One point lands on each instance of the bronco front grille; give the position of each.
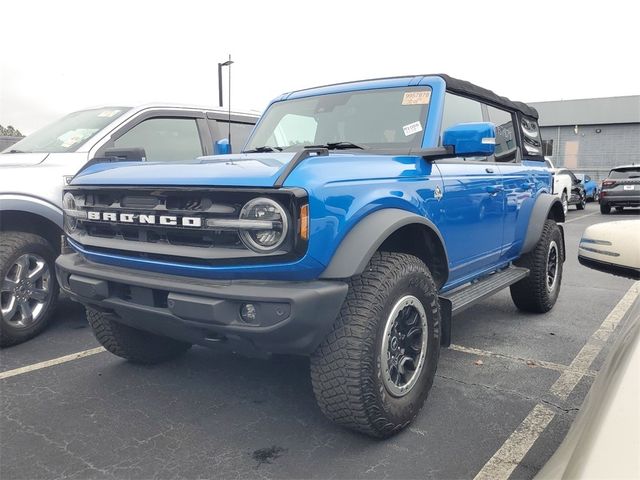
(134, 214)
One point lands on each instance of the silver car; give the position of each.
(34, 171)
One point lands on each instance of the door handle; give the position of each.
(494, 189)
(488, 170)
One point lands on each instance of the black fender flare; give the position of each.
(541, 211)
(359, 245)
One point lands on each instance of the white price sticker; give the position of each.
(412, 128)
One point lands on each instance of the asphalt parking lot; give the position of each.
(503, 399)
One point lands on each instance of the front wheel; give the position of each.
(596, 196)
(28, 286)
(135, 345)
(565, 202)
(374, 370)
(539, 291)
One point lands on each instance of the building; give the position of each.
(591, 135)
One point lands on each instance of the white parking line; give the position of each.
(580, 217)
(502, 464)
(533, 363)
(51, 363)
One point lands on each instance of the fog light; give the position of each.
(248, 312)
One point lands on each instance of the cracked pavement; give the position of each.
(210, 414)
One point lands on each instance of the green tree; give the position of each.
(10, 131)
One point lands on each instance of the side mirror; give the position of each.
(476, 139)
(132, 154)
(612, 248)
(222, 147)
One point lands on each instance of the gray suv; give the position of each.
(620, 189)
(34, 171)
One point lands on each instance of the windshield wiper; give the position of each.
(337, 146)
(263, 149)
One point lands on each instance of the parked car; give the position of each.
(34, 170)
(562, 184)
(336, 234)
(620, 189)
(590, 186)
(604, 439)
(577, 195)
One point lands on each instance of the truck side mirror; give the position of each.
(222, 147)
(133, 154)
(474, 139)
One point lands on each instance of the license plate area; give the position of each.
(628, 187)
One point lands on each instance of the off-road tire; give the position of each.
(12, 246)
(582, 203)
(346, 369)
(531, 294)
(605, 209)
(135, 345)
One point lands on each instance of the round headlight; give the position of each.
(264, 240)
(69, 204)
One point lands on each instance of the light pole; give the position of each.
(220, 65)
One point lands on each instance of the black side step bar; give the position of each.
(461, 298)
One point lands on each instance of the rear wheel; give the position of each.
(135, 345)
(374, 370)
(28, 286)
(605, 209)
(539, 291)
(596, 196)
(582, 203)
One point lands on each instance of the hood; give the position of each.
(21, 159)
(250, 169)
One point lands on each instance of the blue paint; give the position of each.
(482, 215)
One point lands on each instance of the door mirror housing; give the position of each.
(133, 154)
(222, 147)
(475, 139)
(612, 248)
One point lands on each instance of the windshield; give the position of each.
(387, 118)
(68, 133)
(625, 173)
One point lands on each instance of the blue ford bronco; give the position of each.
(359, 219)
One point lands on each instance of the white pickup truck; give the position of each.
(34, 171)
(562, 184)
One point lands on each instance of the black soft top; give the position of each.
(468, 89)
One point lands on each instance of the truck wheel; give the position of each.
(605, 209)
(596, 196)
(374, 370)
(539, 291)
(565, 202)
(582, 203)
(135, 345)
(28, 288)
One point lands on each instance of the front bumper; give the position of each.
(290, 317)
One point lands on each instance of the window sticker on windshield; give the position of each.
(108, 113)
(416, 98)
(412, 128)
(75, 136)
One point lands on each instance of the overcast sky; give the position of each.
(60, 56)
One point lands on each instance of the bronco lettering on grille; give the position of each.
(145, 219)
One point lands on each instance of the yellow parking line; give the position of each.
(50, 363)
